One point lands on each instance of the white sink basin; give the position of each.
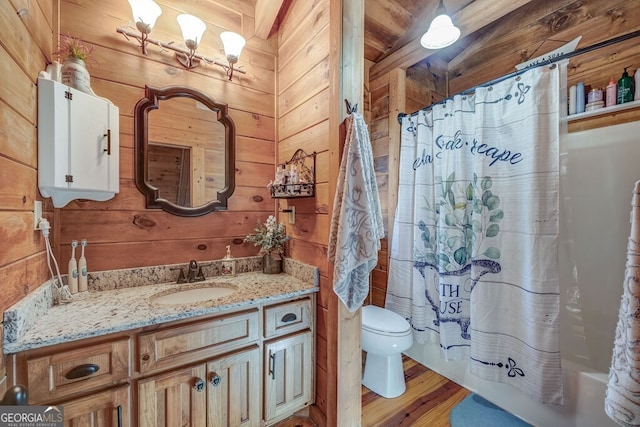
(194, 295)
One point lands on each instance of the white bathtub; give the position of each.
(599, 169)
(584, 392)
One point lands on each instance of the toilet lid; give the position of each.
(378, 319)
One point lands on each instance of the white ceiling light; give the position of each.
(442, 32)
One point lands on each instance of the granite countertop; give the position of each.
(101, 312)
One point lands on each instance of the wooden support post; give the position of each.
(397, 104)
(346, 65)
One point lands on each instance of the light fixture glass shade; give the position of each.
(441, 33)
(192, 29)
(232, 44)
(145, 13)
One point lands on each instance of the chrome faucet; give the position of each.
(194, 273)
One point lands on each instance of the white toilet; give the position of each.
(385, 335)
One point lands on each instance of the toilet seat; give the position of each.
(384, 322)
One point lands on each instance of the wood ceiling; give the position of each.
(393, 28)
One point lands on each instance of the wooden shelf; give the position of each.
(607, 116)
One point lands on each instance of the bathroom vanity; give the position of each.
(244, 359)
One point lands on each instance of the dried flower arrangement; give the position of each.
(74, 47)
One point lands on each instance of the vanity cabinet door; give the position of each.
(109, 408)
(288, 375)
(233, 389)
(176, 398)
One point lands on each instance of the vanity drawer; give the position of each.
(177, 345)
(76, 370)
(288, 317)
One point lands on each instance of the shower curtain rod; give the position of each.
(577, 52)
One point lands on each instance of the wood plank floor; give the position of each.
(427, 402)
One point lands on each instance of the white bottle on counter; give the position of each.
(82, 269)
(636, 77)
(72, 271)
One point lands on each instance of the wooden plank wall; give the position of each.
(25, 44)
(303, 94)
(516, 37)
(522, 34)
(423, 85)
(121, 233)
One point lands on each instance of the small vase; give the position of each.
(271, 264)
(74, 74)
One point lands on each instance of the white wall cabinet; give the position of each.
(78, 147)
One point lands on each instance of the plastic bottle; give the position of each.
(636, 77)
(580, 98)
(72, 272)
(572, 100)
(625, 88)
(612, 93)
(82, 269)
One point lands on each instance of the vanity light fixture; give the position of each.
(442, 32)
(145, 14)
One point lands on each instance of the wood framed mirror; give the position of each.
(184, 151)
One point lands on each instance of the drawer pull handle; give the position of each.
(216, 380)
(289, 317)
(145, 357)
(198, 385)
(272, 365)
(119, 409)
(81, 371)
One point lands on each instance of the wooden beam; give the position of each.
(397, 104)
(266, 14)
(477, 15)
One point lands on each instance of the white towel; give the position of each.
(356, 226)
(622, 400)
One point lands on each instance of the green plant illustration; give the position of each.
(470, 214)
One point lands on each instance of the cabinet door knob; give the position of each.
(216, 380)
(198, 385)
(81, 371)
(289, 317)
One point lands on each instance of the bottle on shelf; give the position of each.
(625, 88)
(572, 99)
(636, 78)
(580, 97)
(612, 93)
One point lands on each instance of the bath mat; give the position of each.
(474, 411)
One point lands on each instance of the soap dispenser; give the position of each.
(72, 271)
(625, 88)
(228, 264)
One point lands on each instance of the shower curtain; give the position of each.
(474, 249)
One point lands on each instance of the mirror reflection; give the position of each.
(184, 149)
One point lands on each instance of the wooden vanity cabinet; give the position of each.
(288, 359)
(245, 368)
(105, 408)
(223, 390)
(90, 379)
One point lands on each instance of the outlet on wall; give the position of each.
(292, 214)
(37, 214)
